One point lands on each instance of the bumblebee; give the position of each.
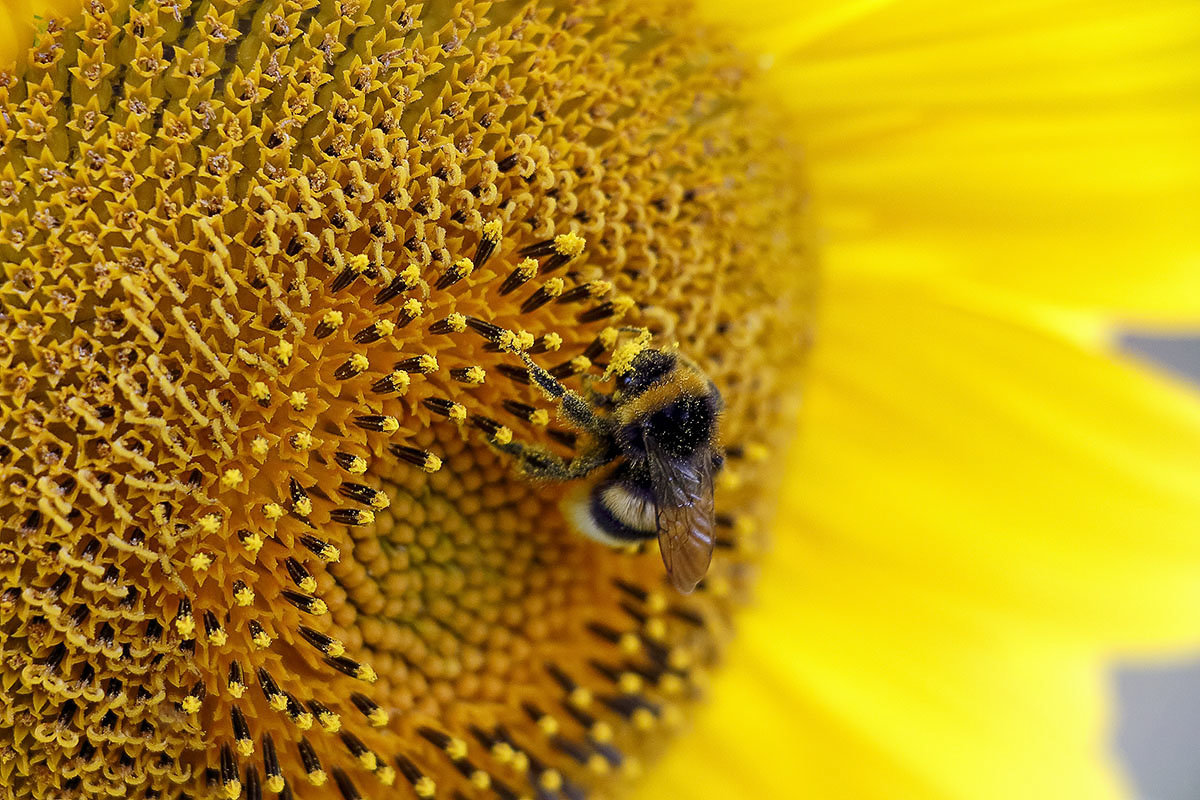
(650, 458)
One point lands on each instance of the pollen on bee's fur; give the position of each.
(272, 271)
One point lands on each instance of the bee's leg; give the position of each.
(540, 463)
(575, 407)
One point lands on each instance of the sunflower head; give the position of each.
(269, 269)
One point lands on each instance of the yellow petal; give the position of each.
(1024, 474)
(1032, 148)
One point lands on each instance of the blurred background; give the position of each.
(1158, 708)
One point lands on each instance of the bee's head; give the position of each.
(648, 368)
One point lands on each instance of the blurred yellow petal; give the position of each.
(21, 20)
(1046, 149)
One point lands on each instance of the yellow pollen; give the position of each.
(643, 720)
(412, 308)
(378, 717)
(503, 435)
(244, 596)
(424, 787)
(236, 690)
(598, 764)
(298, 400)
(598, 289)
(333, 318)
(274, 783)
(602, 732)
(432, 463)
(541, 418)
(210, 523)
(369, 760)
(491, 230)
(253, 542)
(481, 779)
(302, 441)
(550, 780)
(552, 341)
(218, 638)
(554, 287)
(400, 381)
(317, 777)
(385, 327)
(245, 747)
(358, 465)
(580, 697)
(330, 721)
(232, 478)
(303, 506)
(260, 447)
(185, 625)
(260, 391)
(671, 684)
(569, 244)
(502, 752)
(190, 704)
(679, 658)
(359, 362)
(623, 305)
(201, 561)
(318, 607)
(475, 375)
(273, 511)
(427, 363)
(386, 775)
(456, 749)
(262, 639)
(283, 353)
(232, 790)
(525, 340)
(410, 275)
(548, 724)
(358, 264)
(330, 554)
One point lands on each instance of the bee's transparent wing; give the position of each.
(683, 500)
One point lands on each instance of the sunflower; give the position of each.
(327, 575)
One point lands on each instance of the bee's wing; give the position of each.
(683, 509)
